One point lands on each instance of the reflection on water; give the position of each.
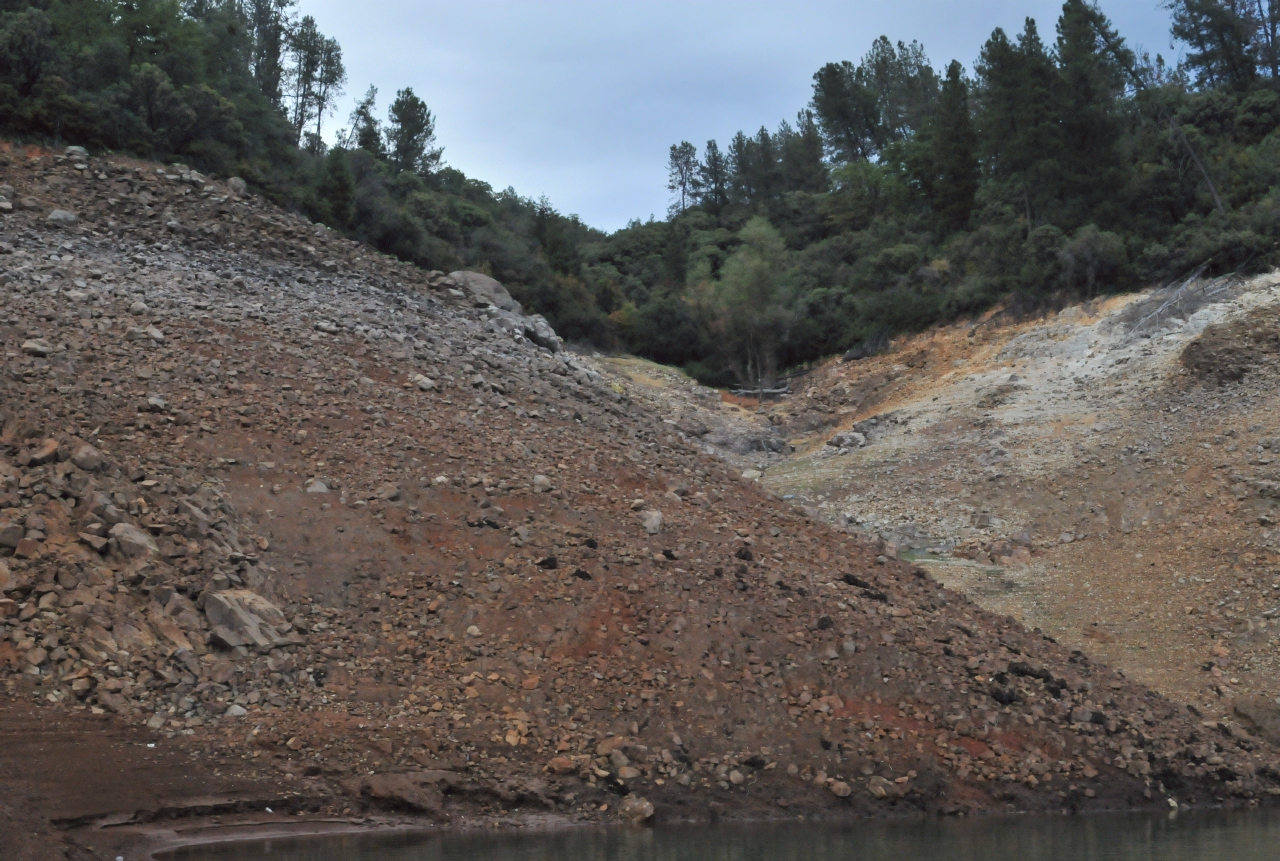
(1197, 837)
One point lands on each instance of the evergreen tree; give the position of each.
(801, 151)
(1091, 61)
(365, 131)
(954, 153)
(411, 131)
(270, 21)
(682, 176)
(848, 112)
(1018, 128)
(1220, 34)
(713, 178)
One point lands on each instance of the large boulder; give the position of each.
(534, 328)
(484, 290)
(243, 618)
(418, 791)
(1261, 715)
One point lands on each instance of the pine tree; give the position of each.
(713, 179)
(682, 176)
(1220, 34)
(270, 21)
(1091, 60)
(954, 153)
(1018, 131)
(847, 111)
(411, 131)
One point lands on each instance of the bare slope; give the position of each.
(1105, 475)
(340, 536)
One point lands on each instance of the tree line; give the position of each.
(1061, 167)
(1053, 168)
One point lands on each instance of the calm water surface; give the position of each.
(1198, 837)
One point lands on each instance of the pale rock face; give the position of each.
(485, 290)
(133, 541)
(240, 617)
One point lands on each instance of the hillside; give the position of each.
(1105, 475)
(288, 524)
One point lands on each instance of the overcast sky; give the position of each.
(580, 101)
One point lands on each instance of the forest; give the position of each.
(1053, 168)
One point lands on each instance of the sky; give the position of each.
(581, 101)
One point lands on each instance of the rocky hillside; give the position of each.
(357, 542)
(1106, 474)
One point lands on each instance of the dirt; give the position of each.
(1101, 479)
(344, 541)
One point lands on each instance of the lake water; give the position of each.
(1186, 837)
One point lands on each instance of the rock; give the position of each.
(652, 521)
(96, 542)
(62, 218)
(36, 657)
(30, 203)
(38, 347)
(402, 791)
(133, 542)
(7, 582)
(246, 616)
(840, 789)
(76, 152)
(881, 788)
(87, 458)
(138, 307)
(28, 548)
(635, 808)
(11, 533)
(1260, 715)
(423, 382)
(561, 765)
(317, 485)
(542, 484)
(235, 710)
(848, 439)
(752, 475)
(484, 290)
(237, 186)
(46, 452)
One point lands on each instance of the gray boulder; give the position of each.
(243, 618)
(484, 290)
(133, 542)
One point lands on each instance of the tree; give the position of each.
(26, 48)
(886, 98)
(800, 151)
(954, 153)
(366, 130)
(753, 318)
(306, 54)
(1220, 35)
(1092, 63)
(847, 111)
(270, 21)
(905, 86)
(410, 134)
(1018, 125)
(330, 81)
(713, 178)
(682, 176)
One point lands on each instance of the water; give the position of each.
(1196, 837)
